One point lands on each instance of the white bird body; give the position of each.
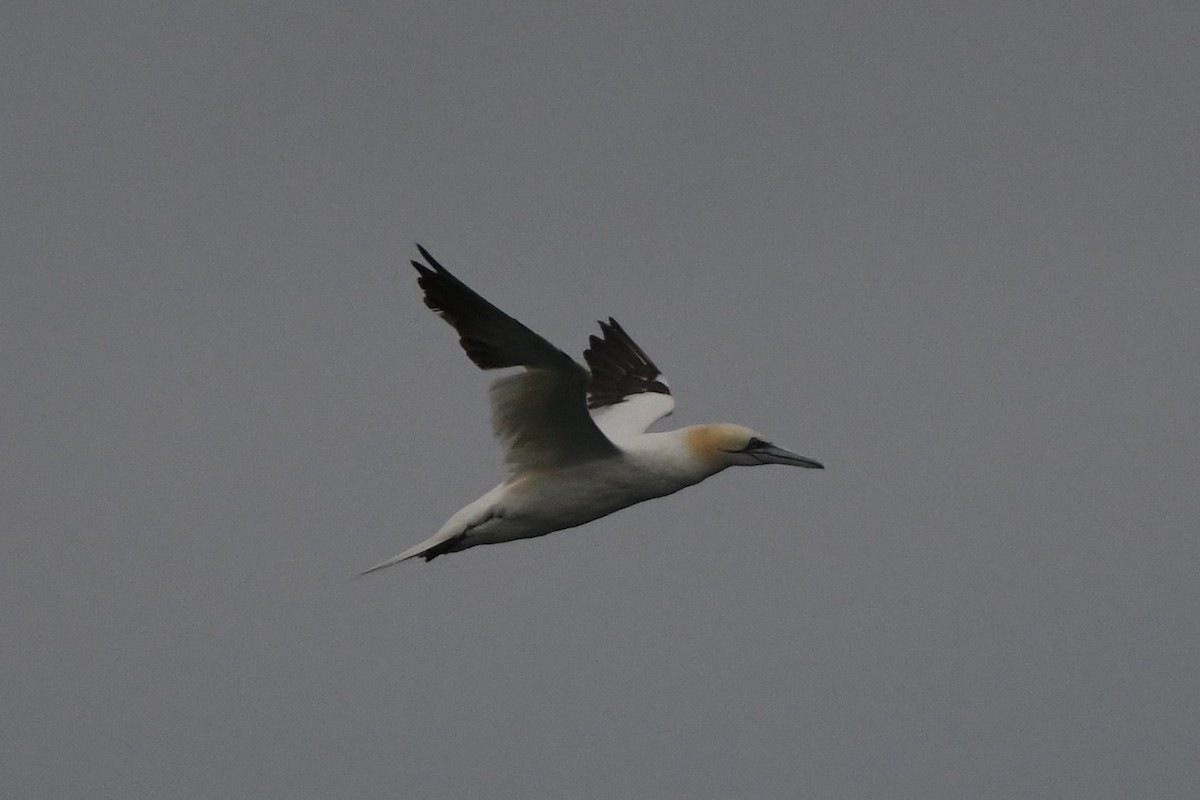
(538, 502)
(577, 443)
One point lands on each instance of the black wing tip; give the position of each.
(423, 269)
(620, 368)
(616, 337)
(436, 280)
(431, 265)
(610, 325)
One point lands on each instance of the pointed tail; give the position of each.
(436, 545)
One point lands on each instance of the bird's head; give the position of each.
(725, 445)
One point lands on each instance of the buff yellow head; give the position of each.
(724, 445)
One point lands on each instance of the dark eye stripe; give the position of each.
(756, 444)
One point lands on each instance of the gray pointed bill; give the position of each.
(771, 454)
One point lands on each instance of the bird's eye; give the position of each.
(756, 443)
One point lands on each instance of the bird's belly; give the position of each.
(567, 499)
(535, 504)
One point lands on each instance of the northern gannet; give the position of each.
(577, 446)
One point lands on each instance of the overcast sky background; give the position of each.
(950, 249)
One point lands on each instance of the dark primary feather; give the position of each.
(491, 338)
(541, 413)
(619, 367)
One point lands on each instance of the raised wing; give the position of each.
(627, 393)
(541, 413)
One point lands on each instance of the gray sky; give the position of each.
(950, 249)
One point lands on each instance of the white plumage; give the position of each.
(575, 437)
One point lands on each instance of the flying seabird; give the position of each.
(577, 442)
